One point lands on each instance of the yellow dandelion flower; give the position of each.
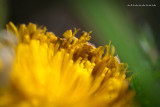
(50, 71)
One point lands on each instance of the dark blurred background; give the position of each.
(133, 30)
(60, 15)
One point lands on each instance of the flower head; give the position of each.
(69, 71)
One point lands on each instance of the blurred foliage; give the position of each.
(111, 22)
(3, 12)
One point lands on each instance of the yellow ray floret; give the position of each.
(50, 71)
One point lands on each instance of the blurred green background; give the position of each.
(134, 31)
